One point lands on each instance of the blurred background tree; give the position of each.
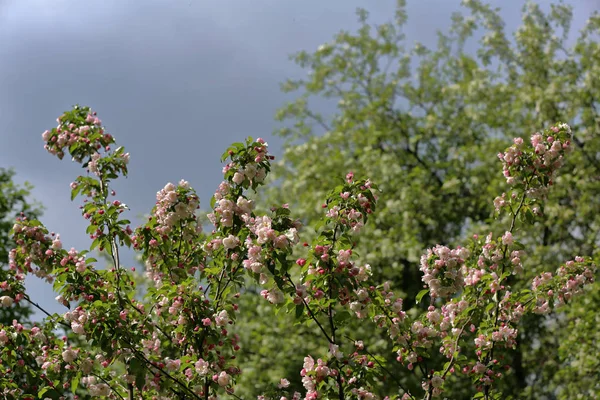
(14, 200)
(426, 124)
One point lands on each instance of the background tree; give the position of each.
(422, 123)
(13, 201)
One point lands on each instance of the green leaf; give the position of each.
(137, 368)
(529, 217)
(75, 191)
(43, 391)
(341, 318)
(518, 245)
(75, 382)
(420, 295)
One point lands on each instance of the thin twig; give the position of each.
(311, 313)
(36, 305)
(109, 385)
(394, 378)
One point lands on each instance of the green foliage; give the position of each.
(424, 123)
(13, 202)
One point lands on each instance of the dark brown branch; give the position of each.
(36, 305)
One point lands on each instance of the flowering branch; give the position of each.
(178, 340)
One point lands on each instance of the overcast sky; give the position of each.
(175, 81)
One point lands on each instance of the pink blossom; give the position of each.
(238, 178)
(275, 296)
(222, 318)
(172, 365)
(479, 368)
(507, 238)
(77, 328)
(231, 242)
(334, 349)
(309, 363)
(201, 367)
(223, 379)
(281, 242)
(56, 243)
(69, 355)
(3, 337)
(6, 301)
(283, 383)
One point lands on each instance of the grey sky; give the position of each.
(175, 81)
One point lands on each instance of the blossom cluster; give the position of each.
(79, 126)
(313, 372)
(80, 132)
(179, 340)
(442, 270)
(173, 215)
(171, 208)
(36, 247)
(534, 164)
(552, 291)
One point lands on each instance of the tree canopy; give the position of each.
(13, 201)
(425, 123)
(427, 238)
